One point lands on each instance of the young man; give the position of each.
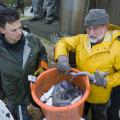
(20, 55)
(98, 54)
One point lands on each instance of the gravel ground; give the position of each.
(35, 113)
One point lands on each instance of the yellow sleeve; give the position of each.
(66, 44)
(114, 78)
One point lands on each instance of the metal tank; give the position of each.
(72, 14)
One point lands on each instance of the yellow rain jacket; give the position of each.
(104, 57)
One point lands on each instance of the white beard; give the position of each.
(98, 39)
(94, 41)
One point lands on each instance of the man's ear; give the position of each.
(1, 30)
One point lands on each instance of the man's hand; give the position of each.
(63, 64)
(33, 78)
(41, 68)
(98, 78)
(38, 71)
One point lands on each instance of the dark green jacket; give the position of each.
(13, 77)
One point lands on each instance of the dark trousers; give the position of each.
(98, 111)
(2, 95)
(114, 109)
(19, 112)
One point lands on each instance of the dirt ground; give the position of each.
(35, 113)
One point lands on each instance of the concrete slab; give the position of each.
(41, 29)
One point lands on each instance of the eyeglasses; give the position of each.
(94, 28)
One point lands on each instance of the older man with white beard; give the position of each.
(98, 56)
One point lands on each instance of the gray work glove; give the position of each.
(63, 64)
(98, 78)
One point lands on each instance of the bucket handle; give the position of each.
(76, 74)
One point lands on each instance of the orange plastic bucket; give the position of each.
(52, 77)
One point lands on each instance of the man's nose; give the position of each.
(19, 31)
(91, 31)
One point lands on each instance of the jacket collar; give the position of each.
(105, 45)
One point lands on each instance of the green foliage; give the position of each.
(11, 2)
